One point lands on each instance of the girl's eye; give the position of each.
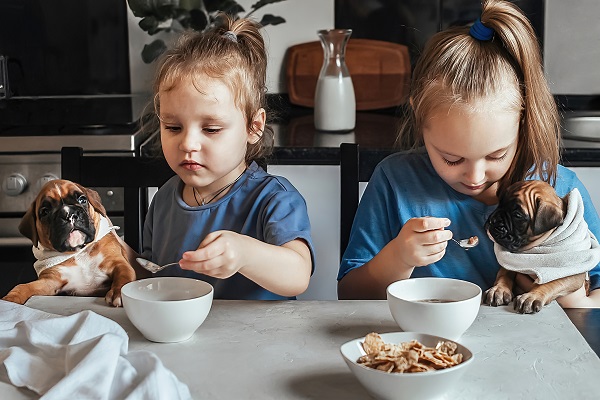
(212, 130)
(452, 163)
(172, 128)
(502, 157)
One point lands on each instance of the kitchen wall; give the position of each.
(571, 42)
(303, 19)
(572, 46)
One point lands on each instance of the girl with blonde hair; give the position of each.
(222, 217)
(480, 117)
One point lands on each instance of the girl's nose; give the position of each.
(475, 173)
(190, 141)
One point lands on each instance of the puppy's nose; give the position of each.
(69, 214)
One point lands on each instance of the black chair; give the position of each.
(355, 166)
(134, 174)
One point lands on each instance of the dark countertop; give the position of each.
(296, 140)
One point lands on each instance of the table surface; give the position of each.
(290, 349)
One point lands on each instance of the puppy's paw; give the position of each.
(113, 298)
(497, 296)
(17, 296)
(528, 303)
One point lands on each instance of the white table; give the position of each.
(290, 350)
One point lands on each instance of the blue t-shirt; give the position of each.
(404, 186)
(263, 206)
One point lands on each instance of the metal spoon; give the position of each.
(152, 267)
(467, 243)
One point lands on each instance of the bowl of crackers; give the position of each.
(167, 309)
(437, 306)
(406, 365)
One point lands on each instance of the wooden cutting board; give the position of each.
(380, 72)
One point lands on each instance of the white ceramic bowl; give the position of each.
(408, 302)
(167, 309)
(414, 386)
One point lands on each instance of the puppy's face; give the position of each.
(527, 210)
(63, 217)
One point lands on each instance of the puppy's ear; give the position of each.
(27, 226)
(548, 216)
(95, 201)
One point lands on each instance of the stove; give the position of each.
(33, 131)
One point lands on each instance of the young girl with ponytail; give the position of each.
(480, 117)
(222, 217)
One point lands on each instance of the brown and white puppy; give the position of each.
(528, 212)
(77, 250)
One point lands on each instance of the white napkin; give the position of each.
(571, 249)
(81, 356)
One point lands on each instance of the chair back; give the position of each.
(134, 174)
(356, 166)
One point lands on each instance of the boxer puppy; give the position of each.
(527, 214)
(76, 249)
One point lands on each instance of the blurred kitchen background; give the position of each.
(71, 73)
(568, 31)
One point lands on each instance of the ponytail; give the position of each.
(499, 59)
(539, 139)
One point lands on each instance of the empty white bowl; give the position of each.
(167, 309)
(436, 306)
(415, 385)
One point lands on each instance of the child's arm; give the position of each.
(284, 270)
(421, 241)
(577, 299)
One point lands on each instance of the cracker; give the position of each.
(407, 357)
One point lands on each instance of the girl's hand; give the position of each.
(422, 241)
(220, 255)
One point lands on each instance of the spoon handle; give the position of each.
(152, 267)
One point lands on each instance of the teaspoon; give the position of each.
(467, 243)
(152, 267)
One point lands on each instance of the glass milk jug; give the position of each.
(335, 104)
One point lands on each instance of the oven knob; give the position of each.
(46, 178)
(14, 185)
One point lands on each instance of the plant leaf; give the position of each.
(152, 51)
(269, 19)
(140, 8)
(190, 5)
(198, 20)
(263, 3)
(146, 8)
(183, 20)
(166, 12)
(230, 7)
(148, 24)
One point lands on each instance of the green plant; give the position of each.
(179, 15)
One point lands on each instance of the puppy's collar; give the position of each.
(49, 258)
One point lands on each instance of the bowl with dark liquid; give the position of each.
(436, 306)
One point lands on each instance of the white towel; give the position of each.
(49, 258)
(81, 356)
(571, 249)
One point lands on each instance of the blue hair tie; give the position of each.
(481, 32)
